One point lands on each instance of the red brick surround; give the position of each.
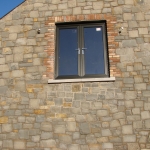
(50, 37)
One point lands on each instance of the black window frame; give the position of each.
(102, 23)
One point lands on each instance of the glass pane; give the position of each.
(94, 53)
(67, 53)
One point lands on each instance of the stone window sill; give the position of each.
(50, 81)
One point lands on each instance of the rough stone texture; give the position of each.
(35, 115)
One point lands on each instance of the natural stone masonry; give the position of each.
(35, 115)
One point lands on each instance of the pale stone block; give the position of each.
(137, 124)
(6, 127)
(129, 2)
(133, 33)
(140, 86)
(38, 4)
(74, 147)
(129, 104)
(48, 143)
(107, 145)
(145, 115)
(67, 12)
(127, 129)
(106, 132)
(31, 42)
(13, 36)
(21, 41)
(7, 50)
(98, 5)
(34, 14)
(136, 111)
(2, 61)
(143, 30)
(36, 61)
(119, 115)
(62, 6)
(101, 113)
(36, 138)
(34, 103)
(59, 129)
(71, 126)
(7, 143)
(18, 57)
(127, 16)
(147, 123)
(46, 127)
(133, 146)
(19, 145)
(17, 73)
(114, 124)
(129, 138)
(139, 16)
(16, 29)
(4, 68)
(76, 10)
(72, 3)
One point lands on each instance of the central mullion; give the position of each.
(82, 52)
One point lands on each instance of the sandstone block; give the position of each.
(145, 115)
(19, 145)
(143, 30)
(34, 103)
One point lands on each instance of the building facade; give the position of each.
(39, 112)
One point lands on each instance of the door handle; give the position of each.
(78, 50)
(83, 50)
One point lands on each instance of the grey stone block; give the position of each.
(129, 43)
(24, 134)
(46, 135)
(7, 143)
(84, 128)
(40, 118)
(91, 97)
(137, 124)
(64, 138)
(79, 96)
(129, 138)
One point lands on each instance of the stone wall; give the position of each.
(35, 115)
